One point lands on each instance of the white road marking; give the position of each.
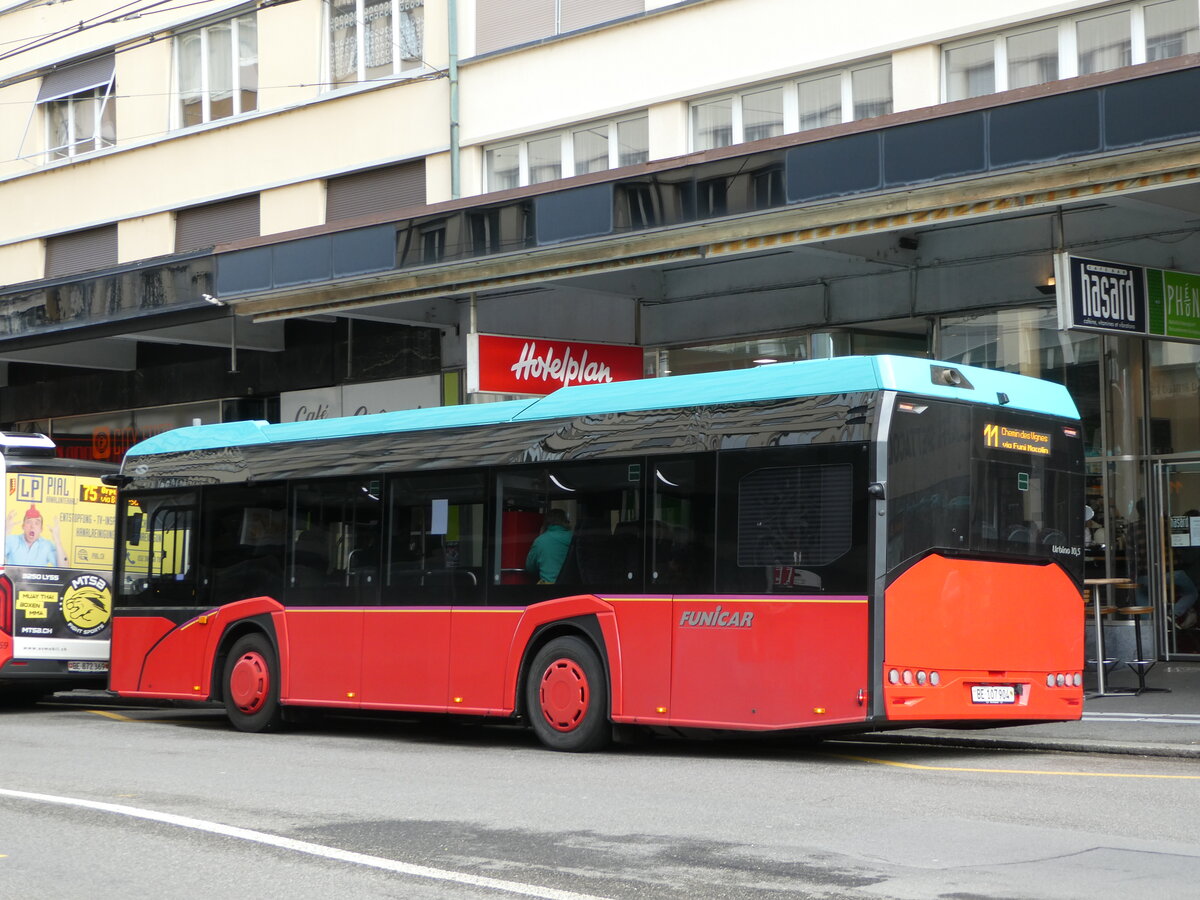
(273, 840)
(1128, 717)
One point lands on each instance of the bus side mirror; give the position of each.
(875, 490)
(133, 529)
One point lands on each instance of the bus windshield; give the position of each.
(979, 480)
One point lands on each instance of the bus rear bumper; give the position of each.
(52, 674)
(938, 695)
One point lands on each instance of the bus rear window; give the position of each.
(982, 481)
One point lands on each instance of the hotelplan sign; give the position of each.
(516, 365)
(1116, 298)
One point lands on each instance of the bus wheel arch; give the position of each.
(565, 691)
(250, 680)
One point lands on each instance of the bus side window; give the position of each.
(681, 543)
(243, 542)
(789, 528)
(334, 542)
(436, 547)
(570, 528)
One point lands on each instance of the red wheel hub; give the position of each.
(564, 694)
(250, 682)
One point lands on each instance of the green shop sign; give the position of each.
(1173, 300)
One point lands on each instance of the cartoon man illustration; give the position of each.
(29, 548)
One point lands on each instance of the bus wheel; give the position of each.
(251, 685)
(566, 696)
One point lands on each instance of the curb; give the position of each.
(1060, 745)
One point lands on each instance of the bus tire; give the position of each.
(566, 696)
(251, 685)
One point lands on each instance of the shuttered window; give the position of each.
(375, 191)
(575, 14)
(81, 251)
(216, 223)
(508, 23)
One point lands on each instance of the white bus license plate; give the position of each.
(993, 693)
(86, 665)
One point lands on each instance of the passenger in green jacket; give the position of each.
(549, 548)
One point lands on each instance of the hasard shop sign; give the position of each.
(1097, 295)
(509, 365)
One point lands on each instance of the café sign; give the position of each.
(513, 365)
(1116, 298)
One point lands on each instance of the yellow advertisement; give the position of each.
(59, 521)
(58, 554)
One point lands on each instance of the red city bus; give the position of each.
(56, 578)
(850, 544)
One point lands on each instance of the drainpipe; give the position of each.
(452, 71)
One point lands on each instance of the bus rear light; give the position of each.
(1064, 679)
(921, 677)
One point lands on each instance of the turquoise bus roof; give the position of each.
(772, 382)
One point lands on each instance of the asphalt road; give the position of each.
(127, 802)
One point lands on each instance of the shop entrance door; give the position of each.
(1179, 500)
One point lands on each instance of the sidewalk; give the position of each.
(1152, 724)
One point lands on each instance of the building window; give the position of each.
(1172, 29)
(372, 191)
(78, 108)
(1104, 42)
(712, 124)
(218, 70)
(971, 70)
(504, 23)
(633, 142)
(591, 149)
(829, 98)
(1063, 48)
(1032, 57)
(545, 159)
(871, 91)
(762, 114)
(374, 39)
(594, 147)
(81, 123)
(81, 251)
(820, 102)
(503, 167)
(200, 227)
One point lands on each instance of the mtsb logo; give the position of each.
(716, 619)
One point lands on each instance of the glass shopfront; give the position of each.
(1174, 397)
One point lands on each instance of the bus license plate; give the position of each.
(86, 665)
(993, 693)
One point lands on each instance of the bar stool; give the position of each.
(1101, 612)
(1102, 663)
(1140, 666)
